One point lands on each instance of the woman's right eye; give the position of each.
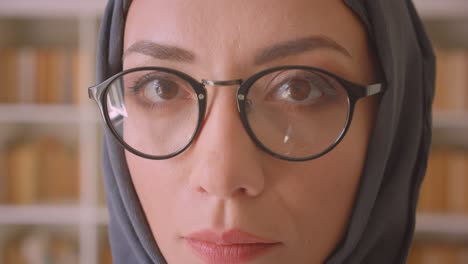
(158, 90)
(155, 90)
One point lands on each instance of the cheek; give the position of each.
(318, 198)
(158, 184)
(319, 194)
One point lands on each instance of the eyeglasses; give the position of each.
(294, 113)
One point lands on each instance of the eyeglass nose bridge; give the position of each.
(222, 83)
(240, 97)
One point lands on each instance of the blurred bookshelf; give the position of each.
(53, 42)
(451, 9)
(51, 201)
(442, 219)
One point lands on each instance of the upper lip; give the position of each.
(229, 237)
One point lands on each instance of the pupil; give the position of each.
(299, 89)
(165, 90)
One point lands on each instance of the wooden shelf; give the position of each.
(51, 8)
(80, 121)
(442, 226)
(47, 114)
(438, 9)
(450, 129)
(51, 215)
(448, 119)
(64, 8)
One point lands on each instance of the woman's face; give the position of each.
(202, 203)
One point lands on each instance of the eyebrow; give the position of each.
(274, 52)
(298, 46)
(160, 51)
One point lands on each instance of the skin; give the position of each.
(223, 180)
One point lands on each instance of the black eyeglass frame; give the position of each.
(354, 92)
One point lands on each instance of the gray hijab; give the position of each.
(381, 226)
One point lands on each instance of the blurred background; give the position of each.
(52, 207)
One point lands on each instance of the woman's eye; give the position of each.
(160, 90)
(299, 90)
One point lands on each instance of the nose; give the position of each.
(227, 161)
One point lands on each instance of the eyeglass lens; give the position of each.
(297, 113)
(294, 113)
(154, 112)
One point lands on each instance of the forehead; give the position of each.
(217, 30)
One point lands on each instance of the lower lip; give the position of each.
(229, 254)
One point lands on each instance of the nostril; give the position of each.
(243, 191)
(222, 191)
(201, 189)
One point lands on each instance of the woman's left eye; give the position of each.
(298, 90)
(161, 90)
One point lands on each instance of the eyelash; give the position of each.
(325, 90)
(135, 90)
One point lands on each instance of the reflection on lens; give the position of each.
(154, 112)
(297, 113)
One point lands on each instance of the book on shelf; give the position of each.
(26, 75)
(423, 252)
(445, 186)
(3, 182)
(8, 80)
(59, 179)
(41, 171)
(22, 167)
(457, 183)
(105, 254)
(40, 75)
(75, 84)
(41, 246)
(451, 90)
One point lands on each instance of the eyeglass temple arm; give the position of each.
(92, 92)
(95, 91)
(372, 89)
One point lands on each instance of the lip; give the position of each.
(231, 247)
